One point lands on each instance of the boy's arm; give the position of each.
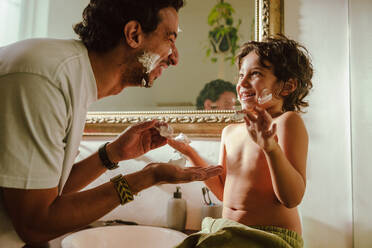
(285, 147)
(215, 184)
(287, 160)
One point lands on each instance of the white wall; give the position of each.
(361, 102)
(322, 26)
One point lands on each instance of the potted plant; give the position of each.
(223, 35)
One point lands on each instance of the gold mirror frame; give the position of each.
(269, 20)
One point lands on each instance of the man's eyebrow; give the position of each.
(257, 68)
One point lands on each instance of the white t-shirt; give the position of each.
(46, 86)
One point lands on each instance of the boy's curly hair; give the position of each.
(290, 60)
(104, 20)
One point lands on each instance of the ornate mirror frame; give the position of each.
(269, 20)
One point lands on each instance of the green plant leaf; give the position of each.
(224, 35)
(208, 53)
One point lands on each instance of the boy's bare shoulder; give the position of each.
(289, 116)
(290, 119)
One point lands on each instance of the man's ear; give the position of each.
(289, 87)
(133, 34)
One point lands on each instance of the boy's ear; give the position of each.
(289, 87)
(133, 34)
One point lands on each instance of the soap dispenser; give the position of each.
(176, 211)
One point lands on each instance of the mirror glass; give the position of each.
(178, 87)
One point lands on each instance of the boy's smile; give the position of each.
(254, 79)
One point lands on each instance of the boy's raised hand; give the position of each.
(260, 128)
(180, 146)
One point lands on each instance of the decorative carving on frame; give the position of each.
(197, 123)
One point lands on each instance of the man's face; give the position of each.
(159, 50)
(226, 101)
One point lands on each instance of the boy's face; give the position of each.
(253, 80)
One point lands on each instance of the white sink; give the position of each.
(124, 236)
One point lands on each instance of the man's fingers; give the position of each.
(201, 174)
(144, 125)
(146, 141)
(214, 170)
(157, 141)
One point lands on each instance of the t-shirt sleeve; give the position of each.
(33, 127)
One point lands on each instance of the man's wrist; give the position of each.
(141, 180)
(111, 153)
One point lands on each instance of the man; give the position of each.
(46, 87)
(217, 95)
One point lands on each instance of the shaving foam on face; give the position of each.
(265, 96)
(149, 60)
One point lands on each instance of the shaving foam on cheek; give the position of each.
(265, 96)
(149, 60)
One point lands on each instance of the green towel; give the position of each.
(218, 233)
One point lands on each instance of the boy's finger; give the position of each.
(251, 116)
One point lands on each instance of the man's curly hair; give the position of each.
(213, 90)
(104, 20)
(290, 60)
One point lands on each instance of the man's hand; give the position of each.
(135, 141)
(169, 173)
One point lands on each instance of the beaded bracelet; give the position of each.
(122, 187)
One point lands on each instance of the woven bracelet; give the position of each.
(122, 187)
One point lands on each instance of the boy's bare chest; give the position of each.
(243, 154)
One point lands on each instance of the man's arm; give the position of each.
(83, 173)
(39, 215)
(133, 142)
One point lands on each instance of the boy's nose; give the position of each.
(245, 83)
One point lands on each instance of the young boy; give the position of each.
(264, 158)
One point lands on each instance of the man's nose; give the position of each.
(173, 57)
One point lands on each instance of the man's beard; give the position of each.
(149, 61)
(142, 65)
(145, 82)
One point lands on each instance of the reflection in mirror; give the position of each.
(179, 86)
